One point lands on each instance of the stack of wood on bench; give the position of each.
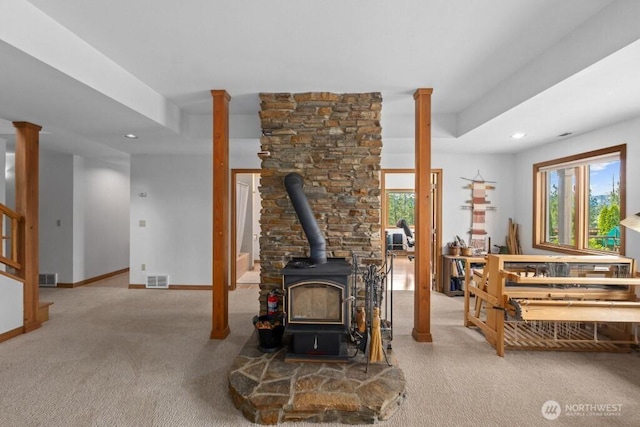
(576, 303)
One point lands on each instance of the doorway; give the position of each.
(245, 227)
(399, 184)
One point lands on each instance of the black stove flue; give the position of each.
(317, 243)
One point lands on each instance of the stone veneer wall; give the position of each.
(334, 142)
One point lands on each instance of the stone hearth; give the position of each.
(269, 390)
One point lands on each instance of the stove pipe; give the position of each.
(293, 183)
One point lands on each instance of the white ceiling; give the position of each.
(91, 71)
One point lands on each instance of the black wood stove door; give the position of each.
(316, 302)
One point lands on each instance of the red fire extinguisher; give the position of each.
(272, 303)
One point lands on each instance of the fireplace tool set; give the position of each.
(368, 330)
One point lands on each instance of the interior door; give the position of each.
(401, 181)
(245, 216)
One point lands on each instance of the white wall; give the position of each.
(10, 179)
(11, 304)
(243, 154)
(56, 204)
(4, 165)
(79, 190)
(7, 163)
(455, 219)
(177, 210)
(84, 216)
(11, 292)
(100, 217)
(626, 132)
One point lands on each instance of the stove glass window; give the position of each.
(315, 302)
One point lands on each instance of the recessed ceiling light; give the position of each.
(131, 136)
(518, 135)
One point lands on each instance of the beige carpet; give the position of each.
(112, 356)
(250, 277)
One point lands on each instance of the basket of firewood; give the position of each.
(270, 330)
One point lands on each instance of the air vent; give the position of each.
(157, 282)
(48, 280)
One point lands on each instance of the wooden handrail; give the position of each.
(10, 235)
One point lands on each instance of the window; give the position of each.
(400, 205)
(578, 201)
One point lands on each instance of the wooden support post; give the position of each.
(220, 276)
(422, 303)
(495, 317)
(27, 172)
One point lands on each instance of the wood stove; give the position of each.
(316, 291)
(317, 308)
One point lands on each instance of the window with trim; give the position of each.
(400, 205)
(579, 201)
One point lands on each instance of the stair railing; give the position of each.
(10, 221)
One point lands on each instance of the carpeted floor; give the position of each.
(112, 356)
(249, 278)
